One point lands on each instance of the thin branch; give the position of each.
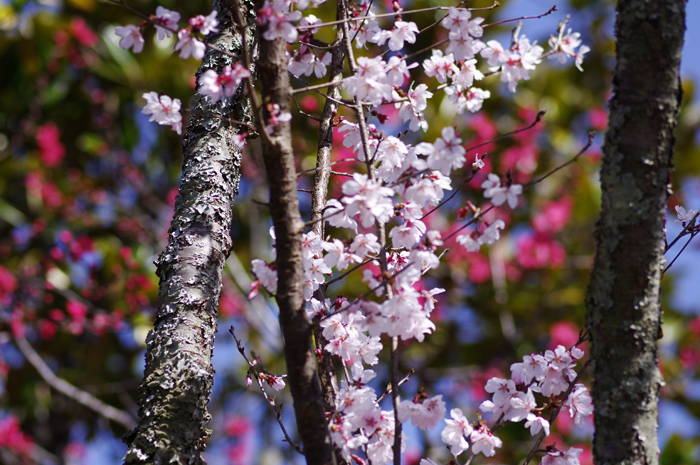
(689, 228)
(64, 387)
(551, 10)
(339, 277)
(538, 118)
(679, 253)
(388, 389)
(383, 15)
(591, 135)
(270, 404)
(318, 86)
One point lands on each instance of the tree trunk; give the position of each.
(623, 301)
(173, 396)
(286, 218)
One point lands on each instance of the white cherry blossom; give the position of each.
(455, 432)
(163, 110)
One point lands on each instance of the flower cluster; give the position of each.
(383, 210)
(549, 375)
(166, 23)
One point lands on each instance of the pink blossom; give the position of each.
(266, 275)
(224, 85)
(579, 403)
(205, 24)
(130, 38)
(455, 431)
(485, 442)
(440, 66)
(402, 32)
(364, 244)
(163, 110)
(165, 21)
(189, 46)
(539, 251)
(537, 424)
(275, 382)
(557, 457)
(424, 414)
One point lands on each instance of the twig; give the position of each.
(277, 413)
(692, 235)
(688, 229)
(388, 389)
(574, 159)
(551, 10)
(64, 387)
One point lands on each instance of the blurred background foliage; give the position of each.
(87, 187)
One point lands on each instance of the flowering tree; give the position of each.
(357, 268)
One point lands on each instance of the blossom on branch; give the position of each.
(189, 46)
(131, 37)
(224, 85)
(165, 21)
(205, 24)
(163, 110)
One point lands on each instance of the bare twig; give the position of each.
(551, 10)
(64, 387)
(564, 165)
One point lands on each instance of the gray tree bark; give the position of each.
(623, 300)
(173, 397)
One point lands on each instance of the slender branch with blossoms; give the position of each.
(275, 382)
(384, 204)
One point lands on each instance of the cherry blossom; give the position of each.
(455, 432)
(278, 18)
(368, 199)
(683, 215)
(579, 403)
(189, 46)
(224, 85)
(424, 413)
(564, 45)
(275, 382)
(402, 32)
(337, 256)
(412, 110)
(163, 110)
(336, 216)
(500, 194)
(266, 275)
(205, 24)
(165, 21)
(557, 457)
(537, 424)
(440, 66)
(131, 37)
(448, 153)
(483, 441)
(364, 244)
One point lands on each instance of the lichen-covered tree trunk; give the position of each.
(623, 301)
(286, 218)
(173, 396)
